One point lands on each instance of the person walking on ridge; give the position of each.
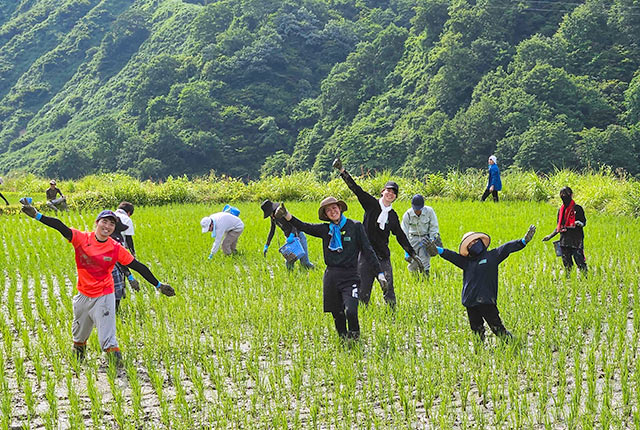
(495, 184)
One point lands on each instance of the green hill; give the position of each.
(243, 87)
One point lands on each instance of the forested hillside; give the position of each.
(243, 87)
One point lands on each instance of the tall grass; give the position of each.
(601, 191)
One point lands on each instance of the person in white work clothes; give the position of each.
(226, 228)
(420, 224)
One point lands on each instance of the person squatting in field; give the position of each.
(570, 225)
(343, 240)
(123, 234)
(420, 224)
(96, 255)
(379, 220)
(480, 277)
(52, 202)
(495, 184)
(268, 209)
(226, 228)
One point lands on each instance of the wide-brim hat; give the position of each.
(470, 237)
(329, 201)
(268, 207)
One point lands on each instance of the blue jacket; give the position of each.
(494, 177)
(480, 274)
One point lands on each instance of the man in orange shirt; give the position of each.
(96, 255)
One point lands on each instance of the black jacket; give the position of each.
(574, 237)
(480, 276)
(379, 238)
(354, 242)
(284, 225)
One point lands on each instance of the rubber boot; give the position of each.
(353, 335)
(115, 357)
(79, 351)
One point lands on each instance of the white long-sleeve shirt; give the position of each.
(420, 226)
(222, 223)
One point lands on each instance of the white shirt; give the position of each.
(126, 220)
(222, 223)
(424, 225)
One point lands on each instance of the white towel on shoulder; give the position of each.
(384, 214)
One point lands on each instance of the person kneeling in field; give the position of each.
(480, 277)
(342, 240)
(96, 256)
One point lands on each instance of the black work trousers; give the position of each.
(489, 313)
(569, 255)
(486, 193)
(340, 297)
(368, 275)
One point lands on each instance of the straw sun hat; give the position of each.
(470, 237)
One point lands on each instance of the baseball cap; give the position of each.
(107, 214)
(205, 223)
(417, 202)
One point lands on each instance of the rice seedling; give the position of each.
(246, 344)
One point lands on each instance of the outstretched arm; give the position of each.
(316, 230)
(366, 200)
(453, 257)
(144, 271)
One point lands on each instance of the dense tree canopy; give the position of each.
(250, 87)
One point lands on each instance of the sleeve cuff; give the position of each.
(440, 250)
(38, 216)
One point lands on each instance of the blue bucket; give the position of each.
(232, 210)
(292, 250)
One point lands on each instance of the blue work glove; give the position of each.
(264, 251)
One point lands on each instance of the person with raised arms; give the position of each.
(343, 240)
(379, 221)
(96, 255)
(480, 277)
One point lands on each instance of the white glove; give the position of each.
(579, 224)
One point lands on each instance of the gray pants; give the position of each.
(367, 276)
(98, 311)
(58, 204)
(230, 241)
(421, 253)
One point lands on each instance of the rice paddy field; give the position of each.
(244, 344)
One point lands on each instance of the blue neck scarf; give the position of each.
(335, 244)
